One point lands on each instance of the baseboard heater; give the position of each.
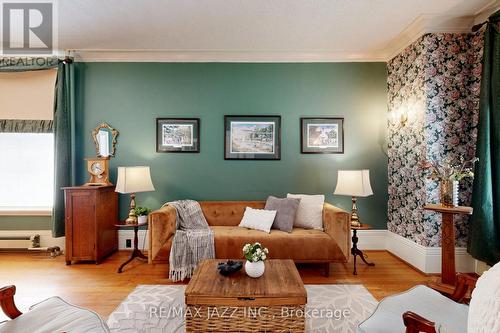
(28, 243)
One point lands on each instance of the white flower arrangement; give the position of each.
(255, 252)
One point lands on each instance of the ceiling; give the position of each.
(255, 30)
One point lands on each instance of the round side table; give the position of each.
(354, 250)
(136, 253)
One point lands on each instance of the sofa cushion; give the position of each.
(301, 244)
(310, 212)
(56, 315)
(286, 209)
(258, 219)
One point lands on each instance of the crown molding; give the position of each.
(427, 24)
(221, 56)
(422, 25)
(485, 12)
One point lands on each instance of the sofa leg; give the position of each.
(326, 267)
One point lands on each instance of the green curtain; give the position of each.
(484, 232)
(64, 130)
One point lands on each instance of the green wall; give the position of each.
(130, 96)
(25, 222)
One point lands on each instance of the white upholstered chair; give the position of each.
(422, 309)
(49, 316)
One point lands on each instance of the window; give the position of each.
(26, 171)
(27, 158)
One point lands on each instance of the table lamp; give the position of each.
(133, 180)
(354, 183)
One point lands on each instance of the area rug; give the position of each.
(160, 309)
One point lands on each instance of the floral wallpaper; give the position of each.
(435, 82)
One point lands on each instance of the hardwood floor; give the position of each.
(100, 288)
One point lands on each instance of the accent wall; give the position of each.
(130, 96)
(435, 81)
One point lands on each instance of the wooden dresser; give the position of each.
(91, 215)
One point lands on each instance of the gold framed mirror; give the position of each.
(104, 137)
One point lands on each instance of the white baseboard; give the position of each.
(372, 239)
(46, 239)
(480, 267)
(426, 259)
(125, 234)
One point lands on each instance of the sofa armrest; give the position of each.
(337, 224)
(161, 224)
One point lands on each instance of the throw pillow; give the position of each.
(258, 219)
(286, 209)
(310, 212)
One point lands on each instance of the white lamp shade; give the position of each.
(134, 179)
(355, 183)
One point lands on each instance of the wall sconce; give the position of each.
(399, 118)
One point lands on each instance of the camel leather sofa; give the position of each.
(301, 245)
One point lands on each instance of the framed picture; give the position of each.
(252, 137)
(177, 135)
(322, 135)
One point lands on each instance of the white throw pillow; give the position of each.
(258, 219)
(310, 212)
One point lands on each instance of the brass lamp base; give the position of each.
(131, 219)
(355, 222)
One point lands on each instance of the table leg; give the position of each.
(357, 252)
(447, 249)
(126, 262)
(354, 249)
(136, 253)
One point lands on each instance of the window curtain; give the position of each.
(484, 233)
(62, 126)
(64, 131)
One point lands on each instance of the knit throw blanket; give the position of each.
(193, 240)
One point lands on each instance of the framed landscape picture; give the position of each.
(177, 135)
(322, 135)
(252, 137)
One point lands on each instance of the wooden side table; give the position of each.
(448, 272)
(136, 253)
(354, 250)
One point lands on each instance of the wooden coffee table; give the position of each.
(238, 303)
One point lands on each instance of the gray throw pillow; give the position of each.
(286, 209)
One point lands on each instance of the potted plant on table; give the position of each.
(142, 214)
(255, 255)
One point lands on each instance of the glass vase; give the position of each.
(448, 193)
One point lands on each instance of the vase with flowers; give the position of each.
(449, 175)
(255, 255)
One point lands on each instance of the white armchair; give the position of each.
(422, 309)
(49, 316)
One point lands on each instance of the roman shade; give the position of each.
(27, 101)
